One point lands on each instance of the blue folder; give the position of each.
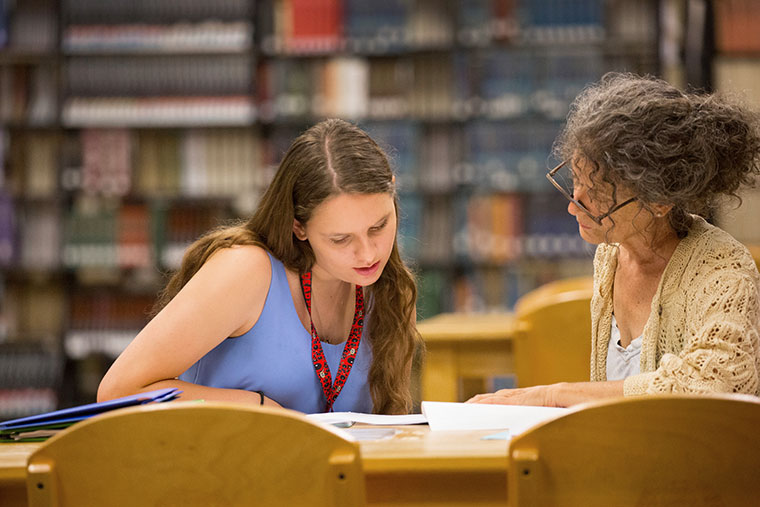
(78, 413)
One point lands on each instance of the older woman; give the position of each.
(675, 305)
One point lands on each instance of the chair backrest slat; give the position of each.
(655, 450)
(185, 453)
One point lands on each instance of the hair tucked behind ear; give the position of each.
(330, 158)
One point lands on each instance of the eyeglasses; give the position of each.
(598, 219)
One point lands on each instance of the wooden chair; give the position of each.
(755, 251)
(649, 451)
(553, 338)
(204, 454)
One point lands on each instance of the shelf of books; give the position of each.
(129, 128)
(736, 69)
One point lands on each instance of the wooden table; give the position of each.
(413, 467)
(463, 347)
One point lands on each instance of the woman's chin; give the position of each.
(587, 235)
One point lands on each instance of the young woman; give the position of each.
(675, 306)
(307, 305)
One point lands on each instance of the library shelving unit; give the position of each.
(145, 123)
(736, 69)
(32, 299)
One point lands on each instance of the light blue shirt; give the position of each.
(274, 357)
(622, 362)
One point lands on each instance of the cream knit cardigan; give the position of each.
(704, 323)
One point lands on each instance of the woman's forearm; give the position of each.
(196, 392)
(566, 394)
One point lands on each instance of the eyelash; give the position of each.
(377, 228)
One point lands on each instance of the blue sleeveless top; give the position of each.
(274, 357)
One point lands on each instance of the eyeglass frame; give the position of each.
(579, 204)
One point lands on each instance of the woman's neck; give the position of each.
(328, 284)
(650, 252)
(332, 306)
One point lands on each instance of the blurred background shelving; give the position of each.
(129, 128)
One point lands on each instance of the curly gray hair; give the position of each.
(667, 146)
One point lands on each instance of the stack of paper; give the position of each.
(42, 426)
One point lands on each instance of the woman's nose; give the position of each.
(365, 251)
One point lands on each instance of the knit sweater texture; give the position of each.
(703, 330)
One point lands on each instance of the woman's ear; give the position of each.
(660, 210)
(299, 230)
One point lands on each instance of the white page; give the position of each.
(474, 416)
(343, 418)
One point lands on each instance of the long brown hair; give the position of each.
(332, 157)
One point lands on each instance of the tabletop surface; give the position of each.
(470, 326)
(410, 448)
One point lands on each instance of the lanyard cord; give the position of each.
(330, 390)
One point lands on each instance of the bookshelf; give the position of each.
(146, 123)
(736, 69)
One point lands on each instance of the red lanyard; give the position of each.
(330, 390)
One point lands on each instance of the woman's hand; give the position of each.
(563, 394)
(537, 395)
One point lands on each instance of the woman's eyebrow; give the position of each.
(378, 222)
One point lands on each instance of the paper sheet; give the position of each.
(473, 416)
(347, 418)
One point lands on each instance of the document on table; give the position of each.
(473, 416)
(348, 418)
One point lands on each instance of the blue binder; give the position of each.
(67, 416)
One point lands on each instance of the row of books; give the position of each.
(136, 235)
(113, 162)
(33, 311)
(26, 401)
(322, 25)
(202, 37)
(28, 95)
(492, 83)
(185, 90)
(28, 26)
(489, 229)
(29, 365)
(103, 322)
(102, 309)
(500, 156)
(159, 111)
(7, 228)
(479, 228)
(132, 76)
(33, 162)
(491, 288)
(4, 14)
(308, 26)
(193, 163)
(93, 12)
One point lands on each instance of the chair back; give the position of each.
(553, 338)
(204, 454)
(650, 451)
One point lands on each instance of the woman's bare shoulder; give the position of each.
(241, 256)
